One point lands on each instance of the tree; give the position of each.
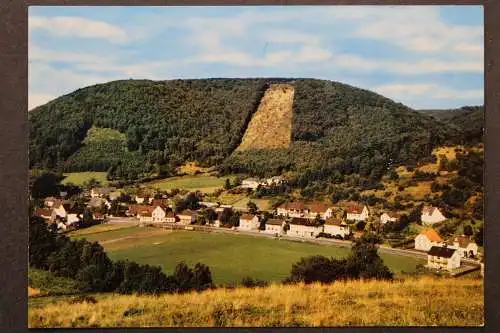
(468, 231)
(252, 207)
(92, 183)
(210, 214)
(42, 243)
(479, 236)
(317, 268)
(45, 184)
(227, 184)
(225, 217)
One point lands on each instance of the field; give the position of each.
(203, 183)
(230, 257)
(413, 302)
(78, 178)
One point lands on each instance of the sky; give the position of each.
(426, 57)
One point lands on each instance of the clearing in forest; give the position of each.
(271, 125)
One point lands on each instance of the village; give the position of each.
(290, 219)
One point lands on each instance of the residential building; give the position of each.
(320, 209)
(466, 247)
(427, 239)
(274, 226)
(431, 215)
(249, 222)
(389, 217)
(302, 227)
(292, 209)
(334, 226)
(356, 212)
(442, 257)
(187, 217)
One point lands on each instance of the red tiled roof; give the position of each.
(247, 217)
(432, 235)
(319, 208)
(303, 221)
(293, 205)
(274, 222)
(354, 208)
(334, 221)
(428, 210)
(41, 212)
(463, 241)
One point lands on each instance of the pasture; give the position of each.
(79, 178)
(203, 183)
(229, 256)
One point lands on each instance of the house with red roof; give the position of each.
(334, 226)
(427, 239)
(431, 215)
(249, 222)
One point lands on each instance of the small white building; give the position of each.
(274, 180)
(293, 209)
(427, 239)
(251, 183)
(389, 217)
(159, 214)
(249, 222)
(431, 215)
(465, 246)
(187, 217)
(356, 212)
(72, 218)
(335, 227)
(442, 257)
(58, 210)
(274, 226)
(301, 227)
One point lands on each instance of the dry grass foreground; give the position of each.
(271, 125)
(414, 302)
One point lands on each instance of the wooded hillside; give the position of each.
(336, 129)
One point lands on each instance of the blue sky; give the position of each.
(422, 56)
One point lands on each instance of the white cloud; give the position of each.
(410, 93)
(73, 26)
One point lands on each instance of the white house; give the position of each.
(335, 226)
(427, 239)
(292, 209)
(59, 211)
(465, 246)
(252, 183)
(431, 215)
(319, 209)
(159, 214)
(441, 257)
(274, 180)
(249, 222)
(389, 217)
(274, 226)
(301, 227)
(187, 217)
(356, 212)
(72, 218)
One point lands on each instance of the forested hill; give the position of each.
(468, 119)
(142, 126)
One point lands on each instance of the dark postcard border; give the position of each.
(14, 160)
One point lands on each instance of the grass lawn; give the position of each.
(204, 183)
(230, 257)
(78, 178)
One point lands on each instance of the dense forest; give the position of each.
(135, 127)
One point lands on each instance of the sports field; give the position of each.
(230, 257)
